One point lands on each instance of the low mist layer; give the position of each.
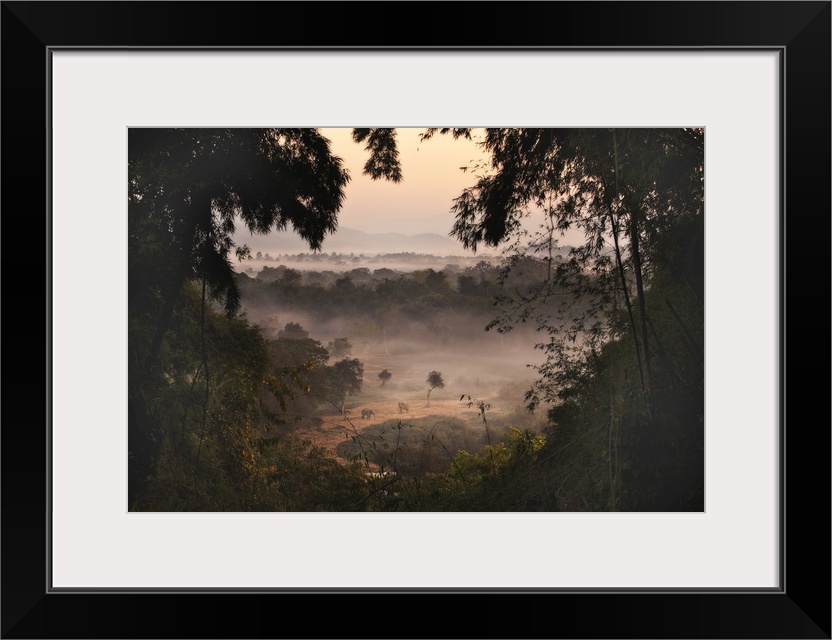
(400, 325)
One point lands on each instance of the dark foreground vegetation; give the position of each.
(223, 375)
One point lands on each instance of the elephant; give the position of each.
(403, 407)
(367, 413)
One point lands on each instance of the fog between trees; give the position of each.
(234, 396)
(407, 323)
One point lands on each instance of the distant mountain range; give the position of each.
(354, 241)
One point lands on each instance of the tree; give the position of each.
(346, 379)
(384, 154)
(296, 352)
(384, 376)
(434, 381)
(619, 187)
(188, 186)
(628, 191)
(290, 279)
(339, 348)
(436, 281)
(293, 331)
(187, 189)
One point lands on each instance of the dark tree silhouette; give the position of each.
(346, 379)
(384, 154)
(187, 191)
(294, 331)
(187, 187)
(637, 196)
(620, 187)
(384, 376)
(339, 348)
(434, 381)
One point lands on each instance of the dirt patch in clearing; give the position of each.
(335, 428)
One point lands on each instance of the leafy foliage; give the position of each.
(434, 381)
(340, 348)
(212, 401)
(384, 375)
(347, 376)
(293, 331)
(186, 188)
(384, 154)
(187, 185)
(623, 313)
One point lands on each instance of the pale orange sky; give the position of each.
(421, 202)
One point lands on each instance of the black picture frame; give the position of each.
(800, 608)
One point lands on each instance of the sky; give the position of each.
(421, 202)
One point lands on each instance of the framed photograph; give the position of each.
(717, 113)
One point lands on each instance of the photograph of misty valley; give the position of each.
(416, 319)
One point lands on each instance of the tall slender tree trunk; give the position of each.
(207, 381)
(642, 309)
(614, 222)
(614, 437)
(642, 350)
(616, 412)
(626, 292)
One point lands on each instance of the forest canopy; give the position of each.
(215, 399)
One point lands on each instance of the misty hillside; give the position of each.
(353, 240)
